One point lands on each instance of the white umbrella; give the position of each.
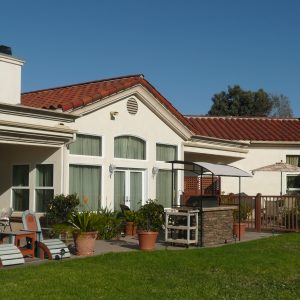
(279, 167)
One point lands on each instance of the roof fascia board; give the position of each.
(217, 146)
(20, 110)
(214, 139)
(275, 143)
(22, 126)
(146, 98)
(18, 133)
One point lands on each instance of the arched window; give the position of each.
(130, 147)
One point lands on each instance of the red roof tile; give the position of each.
(243, 128)
(78, 95)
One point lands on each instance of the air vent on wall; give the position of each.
(132, 106)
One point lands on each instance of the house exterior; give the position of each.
(109, 140)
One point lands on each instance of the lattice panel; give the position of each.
(210, 185)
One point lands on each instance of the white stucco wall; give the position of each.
(145, 125)
(266, 183)
(10, 79)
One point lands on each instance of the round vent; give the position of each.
(132, 106)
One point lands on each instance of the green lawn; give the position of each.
(263, 269)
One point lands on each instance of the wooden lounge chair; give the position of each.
(51, 248)
(10, 255)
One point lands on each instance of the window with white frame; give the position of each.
(44, 186)
(20, 187)
(87, 145)
(293, 160)
(166, 152)
(293, 184)
(129, 147)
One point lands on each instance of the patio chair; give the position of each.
(5, 218)
(50, 248)
(10, 255)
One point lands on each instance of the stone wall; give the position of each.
(217, 225)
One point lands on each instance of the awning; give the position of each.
(215, 169)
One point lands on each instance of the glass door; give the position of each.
(128, 188)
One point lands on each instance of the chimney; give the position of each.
(10, 76)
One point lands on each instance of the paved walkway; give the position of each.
(131, 243)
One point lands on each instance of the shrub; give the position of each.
(109, 225)
(245, 211)
(130, 216)
(151, 216)
(60, 207)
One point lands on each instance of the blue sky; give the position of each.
(189, 50)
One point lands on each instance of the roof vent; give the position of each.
(132, 106)
(5, 50)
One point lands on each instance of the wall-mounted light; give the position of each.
(111, 169)
(113, 115)
(155, 171)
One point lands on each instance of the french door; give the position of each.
(128, 188)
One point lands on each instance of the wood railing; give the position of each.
(278, 213)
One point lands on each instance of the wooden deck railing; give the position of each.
(279, 213)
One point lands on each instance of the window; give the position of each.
(85, 181)
(293, 160)
(20, 187)
(165, 152)
(44, 187)
(293, 184)
(164, 187)
(87, 145)
(130, 147)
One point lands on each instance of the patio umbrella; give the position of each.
(279, 167)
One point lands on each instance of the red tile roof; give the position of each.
(75, 96)
(247, 128)
(79, 95)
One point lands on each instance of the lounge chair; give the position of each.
(5, 218)
(10, 255)
(51, 248)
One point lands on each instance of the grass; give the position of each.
(263, 269)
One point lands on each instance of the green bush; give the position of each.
(130, 216)
(245, 211)
(150, 217)
(109, 225)
(60, 207)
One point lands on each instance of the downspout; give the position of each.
(67, 144)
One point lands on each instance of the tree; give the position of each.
(238, 102)
(280, 106)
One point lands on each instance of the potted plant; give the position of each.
(150, 220)
(85, 232)
(131, 220)
(239, 219)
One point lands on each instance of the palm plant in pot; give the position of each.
(150, 220)
(85, 226)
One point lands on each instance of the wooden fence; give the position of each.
(278, 213)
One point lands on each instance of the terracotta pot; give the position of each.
(236, 229)
(85, 242)
(130, 228)
(147, 240)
